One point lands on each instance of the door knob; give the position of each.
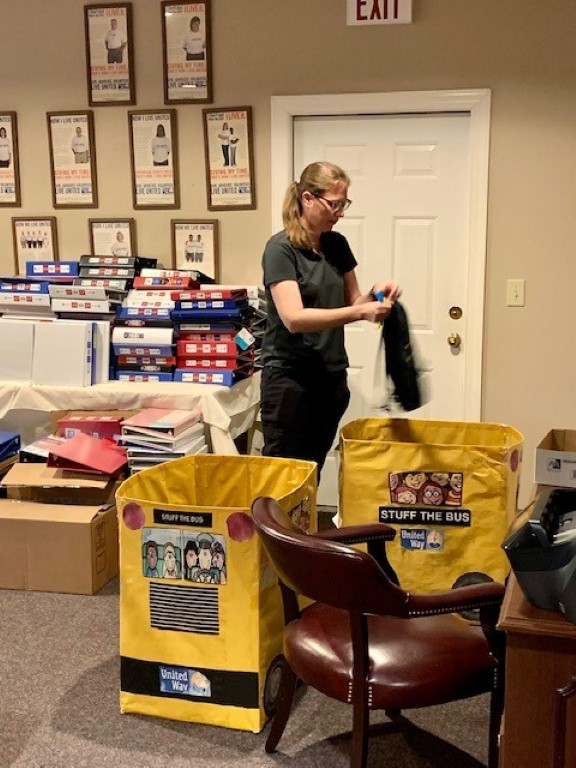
(455, 340)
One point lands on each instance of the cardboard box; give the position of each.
(556, 459)
(37, 482)
(57, 548)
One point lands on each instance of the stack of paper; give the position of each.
(156, 435)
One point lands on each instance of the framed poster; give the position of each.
(109, 54)
(112, 237)
(187, 52)
(154, 152)
(195, 246)
(229, 159)
(72, 159)
(35, 239)
(9, 161)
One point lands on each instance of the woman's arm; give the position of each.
(299, 319)
(390, 290)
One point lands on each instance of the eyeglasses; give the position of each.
(336, 206)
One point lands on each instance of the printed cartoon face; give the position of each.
(169, 558)
(205, 558)
(415, 479)
(199, 683)
(151, 557)
(406, 496)
(434, 540)
(218, 560)
(456, 481)
(441, 478)
(191, 558)
(393, 480)
(432, 495)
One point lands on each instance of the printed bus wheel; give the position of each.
(465, 580)
(272, 684)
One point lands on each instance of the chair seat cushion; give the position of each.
(414, 662)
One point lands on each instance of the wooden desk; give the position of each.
(539, 724)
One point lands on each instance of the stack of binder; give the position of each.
(212, 317)
(78, 302)
(213, 358)
(25, 299)
(157, 435)
(144, 316)
(120, 268)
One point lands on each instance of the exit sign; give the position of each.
(378, 12)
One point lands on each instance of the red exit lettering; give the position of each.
(379, 9)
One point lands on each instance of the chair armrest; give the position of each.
(358, 534)
(374, 534)
(457, 600)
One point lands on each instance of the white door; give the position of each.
(410, 221)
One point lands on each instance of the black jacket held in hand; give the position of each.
(400, 365)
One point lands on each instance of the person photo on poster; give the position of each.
(5, 148)
(112, 237)
(195, 246)
(80, 146)
(34, 240)
(9, 166)
(115, 41)
(109, 54)
(72, 153)
(229, 158)
(154, 160)
(161, 147)
(187, 59)
(194, 43)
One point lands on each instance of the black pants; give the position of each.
(115, 55)
(300, 412)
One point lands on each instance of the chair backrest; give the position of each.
(325, 571)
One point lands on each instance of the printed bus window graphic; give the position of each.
(172, 553)
(427, 488)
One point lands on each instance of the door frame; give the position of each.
(476, 103)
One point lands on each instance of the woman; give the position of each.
(5, 149)
(232, 149)
(161, 147)
(224, 137)
(312, 292)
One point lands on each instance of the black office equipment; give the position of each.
(541, 548)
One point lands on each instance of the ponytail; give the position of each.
(291, 217)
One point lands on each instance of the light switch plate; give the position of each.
(515, 293)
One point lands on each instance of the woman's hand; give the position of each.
(375, 311)
(390, 289)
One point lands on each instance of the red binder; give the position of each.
(83, 453)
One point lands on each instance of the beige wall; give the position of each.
(523, 50)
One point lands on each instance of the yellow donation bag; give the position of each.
(448, 488)
(201, 620)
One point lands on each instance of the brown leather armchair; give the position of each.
(365, 640)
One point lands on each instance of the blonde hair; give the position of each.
(317, 178)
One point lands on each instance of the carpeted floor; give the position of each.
(59, 670)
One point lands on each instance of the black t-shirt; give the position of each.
(320, 280)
